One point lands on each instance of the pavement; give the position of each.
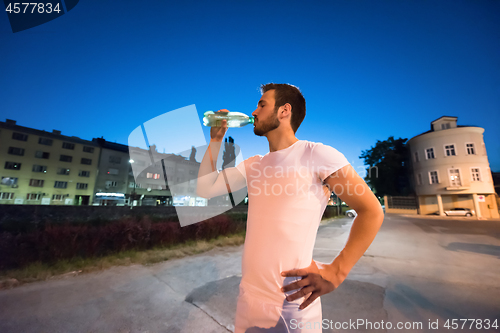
(418, 273)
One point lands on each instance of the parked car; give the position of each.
(352, 212)
(459, 212)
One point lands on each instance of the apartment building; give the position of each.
(47, 168)
(451, 170)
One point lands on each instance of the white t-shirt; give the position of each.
(286, 200)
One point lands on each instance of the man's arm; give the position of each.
(322, 278)
(210, 182)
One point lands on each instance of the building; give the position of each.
(48, 168)
(113, 174)
(451, 170)
(150, 169)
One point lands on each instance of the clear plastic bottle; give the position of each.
(234, 119)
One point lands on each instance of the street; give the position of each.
(418, 273)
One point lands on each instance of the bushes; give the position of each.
(56, 242)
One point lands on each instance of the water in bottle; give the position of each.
(234, 119)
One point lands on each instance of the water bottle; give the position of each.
(234, 119)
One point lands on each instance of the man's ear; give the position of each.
(285, 111)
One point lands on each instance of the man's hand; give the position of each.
(317, 280)
(217, 133)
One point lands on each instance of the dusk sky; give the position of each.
(368, 69)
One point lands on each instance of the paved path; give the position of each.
(417, 271)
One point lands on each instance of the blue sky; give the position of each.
(368, 69)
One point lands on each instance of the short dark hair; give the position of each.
(287, 93)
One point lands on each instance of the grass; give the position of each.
(39, 271)
(42, 271)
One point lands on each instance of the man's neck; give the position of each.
(278, 141)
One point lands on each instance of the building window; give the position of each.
(153, 175)
(81, 186)
(110, 183)
(115, 159)
(62, 171)
(445, 126)
(16, 151)
(42, 154)
(87, 149)
(6, 196)
(86, 161)
(67, 145)
(475, 174)
(470, 149)
(45, 141)
(33, 196)
(57, 197)
(112, 171)
(433, 177)
(429, 153)
(36, 182)
(9, 181)
(12, 166)
(59, 184)
(455, 177)
(84, 173)
(419, 179)
(449, 150)
(39, 168)
(416, 157)
(65, 158)
(19, 136)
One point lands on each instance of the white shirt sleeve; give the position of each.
(243, 166)
(327, 160)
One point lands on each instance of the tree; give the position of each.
(388, 172)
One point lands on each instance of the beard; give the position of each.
(263, 127)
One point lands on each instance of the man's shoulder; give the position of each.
(315, 145)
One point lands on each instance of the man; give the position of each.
(288, 189)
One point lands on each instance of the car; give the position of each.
(352, 212)
(459, 212)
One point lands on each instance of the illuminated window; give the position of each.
(153, 175)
